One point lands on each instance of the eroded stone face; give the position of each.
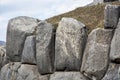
(45, 47)
(29, 50)
(111, 16)
(68, 76)
(18, 71)
(18, 29)
(70, 41)
(96, 55)
(112, 72)
(3, 58)
(115, 45)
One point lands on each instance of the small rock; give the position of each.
(95, 58)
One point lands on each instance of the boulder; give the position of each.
(18, 29)
(70, 40)
(112, 72)
(111, 16)
(29, 51)
(45, 47)
(95, 58)
(18, 71)
(115, 45)
(68, 76)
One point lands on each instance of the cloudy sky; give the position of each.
(40, 9)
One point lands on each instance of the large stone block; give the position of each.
(115, 45)
(45, 47)
(18, 29)
(111, 16)
(112, 72)
(68, 76)
(29, 51)
(18, 71)
(70, 40)
(96, 55)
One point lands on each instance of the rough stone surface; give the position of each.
(18, 29)
(3, 58)
(95, 59)
(2, 55)
(67, 76)
(115, 45)
(69, 46)
(112, 72)
(18, 71)
(45, 47)
(29, 51)
(111, 16)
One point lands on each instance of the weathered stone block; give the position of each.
(29, 51)
(115, 45)
(70, 41)
(68, 76)
(112, 72)
(45, 47)
(96, 55)
(18, 29)
(2, 56)
(18, 71)
(111, 16)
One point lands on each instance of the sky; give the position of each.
(40, 9)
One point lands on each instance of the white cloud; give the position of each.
(40, 9)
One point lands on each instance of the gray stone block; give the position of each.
(70, 41)
(68, 76)
(45, 47)
(115, 45)
(18, 29)
(29, 51)
(18, 71)
(96, 56)
(111, 16)
(112, 72)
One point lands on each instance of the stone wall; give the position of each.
(36, 50)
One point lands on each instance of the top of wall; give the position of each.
(103, 1)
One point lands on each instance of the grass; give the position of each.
(91, 16)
